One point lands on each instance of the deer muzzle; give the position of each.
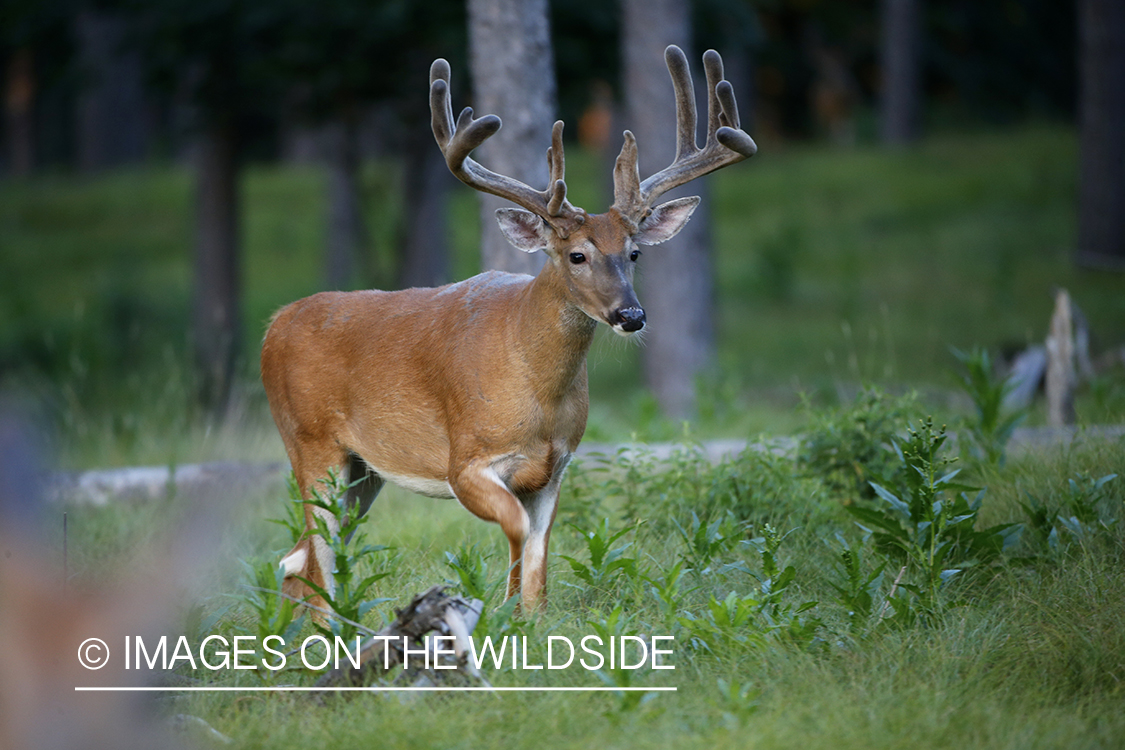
(628, 319)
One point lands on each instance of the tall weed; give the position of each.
(991, 426)
(929, 526)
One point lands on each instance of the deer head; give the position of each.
(595, 254)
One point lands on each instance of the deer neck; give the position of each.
(555, 335)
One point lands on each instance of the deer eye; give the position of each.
(634, 255)
(577, 258)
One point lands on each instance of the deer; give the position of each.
(478, 390)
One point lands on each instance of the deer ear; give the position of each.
(524, 230)
(666, 221)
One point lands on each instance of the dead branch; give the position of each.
(432, 612)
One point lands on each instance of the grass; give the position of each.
(835, 267)
(1029, 655)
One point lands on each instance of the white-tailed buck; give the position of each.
(477, 390)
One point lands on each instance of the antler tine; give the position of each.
(556, 164)
(441, 109)
(680, 71)
(627, 180)
(556, 159)
(457, 141)
(726, 143)
(713, 68)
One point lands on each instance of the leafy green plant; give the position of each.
(625, 475)
(785, 620)
(755, 483)
(664, 492)
(612, 627)
(294, 520)
(680, 481)
(992, 425)
(746, 621)
(737, 701)
(1079, 517)
(1083, 503)
(933, 529)
(669, 592)
(471, 566)
(607, 562)
(274, 613)
(853, 445)
(704, 542)
(860, 588)
(349, 599)
(584, 492)
(728, 624)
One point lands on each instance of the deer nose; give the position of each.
(629, 318)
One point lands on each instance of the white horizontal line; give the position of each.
(373, 689)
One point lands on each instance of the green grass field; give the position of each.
(835, 267)
(1026, 650)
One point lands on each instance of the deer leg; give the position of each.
(479, 488)
(361, 495)
(541, 507)
(312, 559)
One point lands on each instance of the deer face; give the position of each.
(597, 261)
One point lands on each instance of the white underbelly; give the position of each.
(422, 485)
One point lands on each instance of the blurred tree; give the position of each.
(214, 54)
(1101, 110)
(734, 30)
(112, 123)
(998, 61)
(36, 48)
(586, 37)
(900, 95)
(337, 57)
(513, 73)
(814, 64)
(676, 277)
(19, 101)
(239, 62)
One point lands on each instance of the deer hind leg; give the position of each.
(312, 558)
(479, 488)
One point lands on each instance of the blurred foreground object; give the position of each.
(45, 624)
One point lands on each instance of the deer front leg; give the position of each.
(479, 488)
(541, 507)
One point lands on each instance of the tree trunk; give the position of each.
(111, 119)
(216, 314)
(900, 62)
(513, 75)
(426, 182)
(19, 111)
(346, 231)
(1101, 112)
(676, 277)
